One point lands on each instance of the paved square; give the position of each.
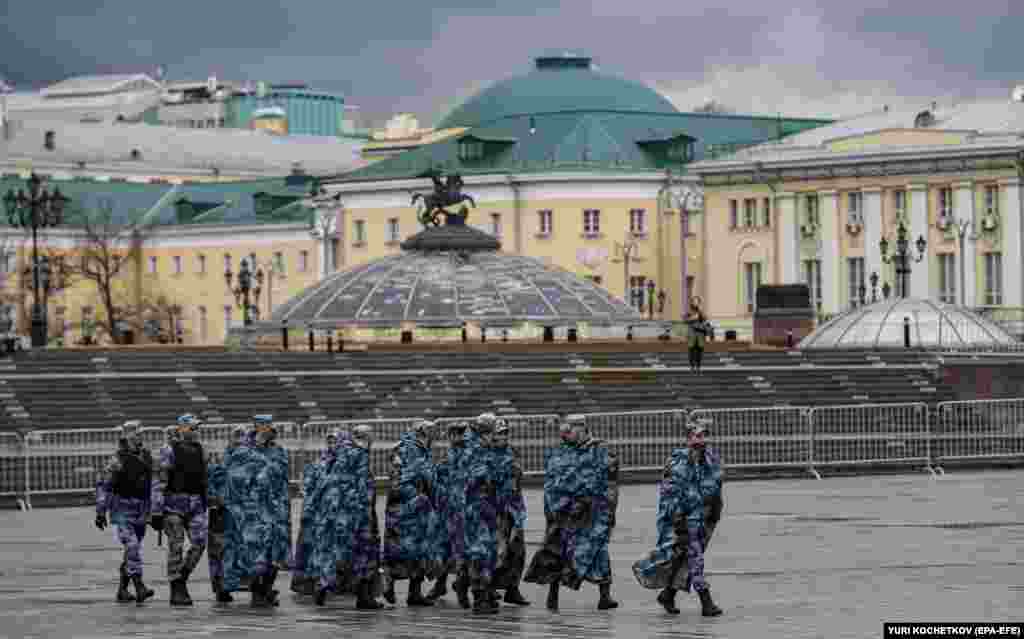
(792, 558)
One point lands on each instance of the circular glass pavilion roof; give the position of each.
(932, 325)
(449, 275)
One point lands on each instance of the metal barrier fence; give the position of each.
(979, 430)
(68, 461)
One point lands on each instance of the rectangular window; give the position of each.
(947, 278)
(393, 232)
(359, 231)
(812, 277)
(749, 212)
(855, 277)
(203, 326)
(637, 223)
(751, 280)
(855, 210)
(993, 279)
(303, 261)
(766, 209)
(279, 264)
(227, 262)
(201, 264)
(734, 215)
(152, 264)
(899, 203)
(811, 209)
(496, 224)
(7, 262)
(591, 222)
(991, 200)
(177, 265)
(227, 320)
(945, 202)
(544, 222)
(637, 288)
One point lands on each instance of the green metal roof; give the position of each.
(583, 140)
(566, 83)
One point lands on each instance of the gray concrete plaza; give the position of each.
(792, 558)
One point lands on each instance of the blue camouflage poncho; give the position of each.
(410, 518)
(481, 508)
(311, 478)
(511, 518)
(578, 513)
(683, 494)
(450, 505)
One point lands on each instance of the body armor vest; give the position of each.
(136, 472)
(188, 475)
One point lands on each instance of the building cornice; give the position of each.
(504, 179)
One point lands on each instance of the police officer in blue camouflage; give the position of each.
(450, 504)
(180, 504)
(123, 490)
(311, 477)
(481, 546)
(690, 506)
(218, 515)
(271, 482)
(511, 516)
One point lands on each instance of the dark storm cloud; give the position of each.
(799, 57)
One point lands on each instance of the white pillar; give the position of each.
(1010, 214)
(872, 202)
(919, 273)
(829, 254)
(963, 209)
(787, 223)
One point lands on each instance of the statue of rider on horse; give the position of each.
(446, 193)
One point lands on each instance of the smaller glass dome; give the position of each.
(932, 325)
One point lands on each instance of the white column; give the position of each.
(963, 209)
(829, 254)
(872, 203)
(787, 223)
(919, 274)
(1010, 214)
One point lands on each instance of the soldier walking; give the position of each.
(218, 515)
(180, 504)
(450, 503)
(511, 517)
(123, 491)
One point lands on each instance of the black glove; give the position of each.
(101, 521)
(157, 522)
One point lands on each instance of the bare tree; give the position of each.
(159, 310)
(107, 251)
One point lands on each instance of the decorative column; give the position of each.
(920, 276)
(963, 209)
(1010, 219)
(787, 228)
(829, 253)
(872, 202)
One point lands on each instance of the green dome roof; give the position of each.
(558, 83)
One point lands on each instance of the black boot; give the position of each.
(707, 606)
(482, 604)
(364, 601)
(321, 595)
(606, 602)
(440, 588)
(553, 597)
(667, 599)
(513, 596)
(268, 588)
(416, 597)
(123, 594)
(461, 586)
(259, 594)
(142, 593)
(389, 591)
(218, 589)
(179, 593)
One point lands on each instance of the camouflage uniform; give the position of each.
(450, 504)
(577, 507)
(481, 545)
(244, 526)
(689, 507)
(311, 477)
(342, 519)
(273, 547)
(216, 486)
(511, 517)
(410, 519)
(180, 503)
(123, 490)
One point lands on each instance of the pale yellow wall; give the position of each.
(897, 137)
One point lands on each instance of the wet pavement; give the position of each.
(792, 558)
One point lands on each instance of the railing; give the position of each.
(811, 439)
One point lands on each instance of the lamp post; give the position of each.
(270, 271)
(628, 250)
(650, 299)
(244, 288)
(962, 227)
(689, 198)
(901, 257)
(874, 287)
(35, 210)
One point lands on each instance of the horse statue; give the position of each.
(447, 193)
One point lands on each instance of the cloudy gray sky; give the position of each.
(799, 57)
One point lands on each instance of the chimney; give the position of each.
(1018, 93)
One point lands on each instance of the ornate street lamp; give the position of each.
(902, 255)
(35, 210)
(650, 299)
(874, 287)
(244, 288)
